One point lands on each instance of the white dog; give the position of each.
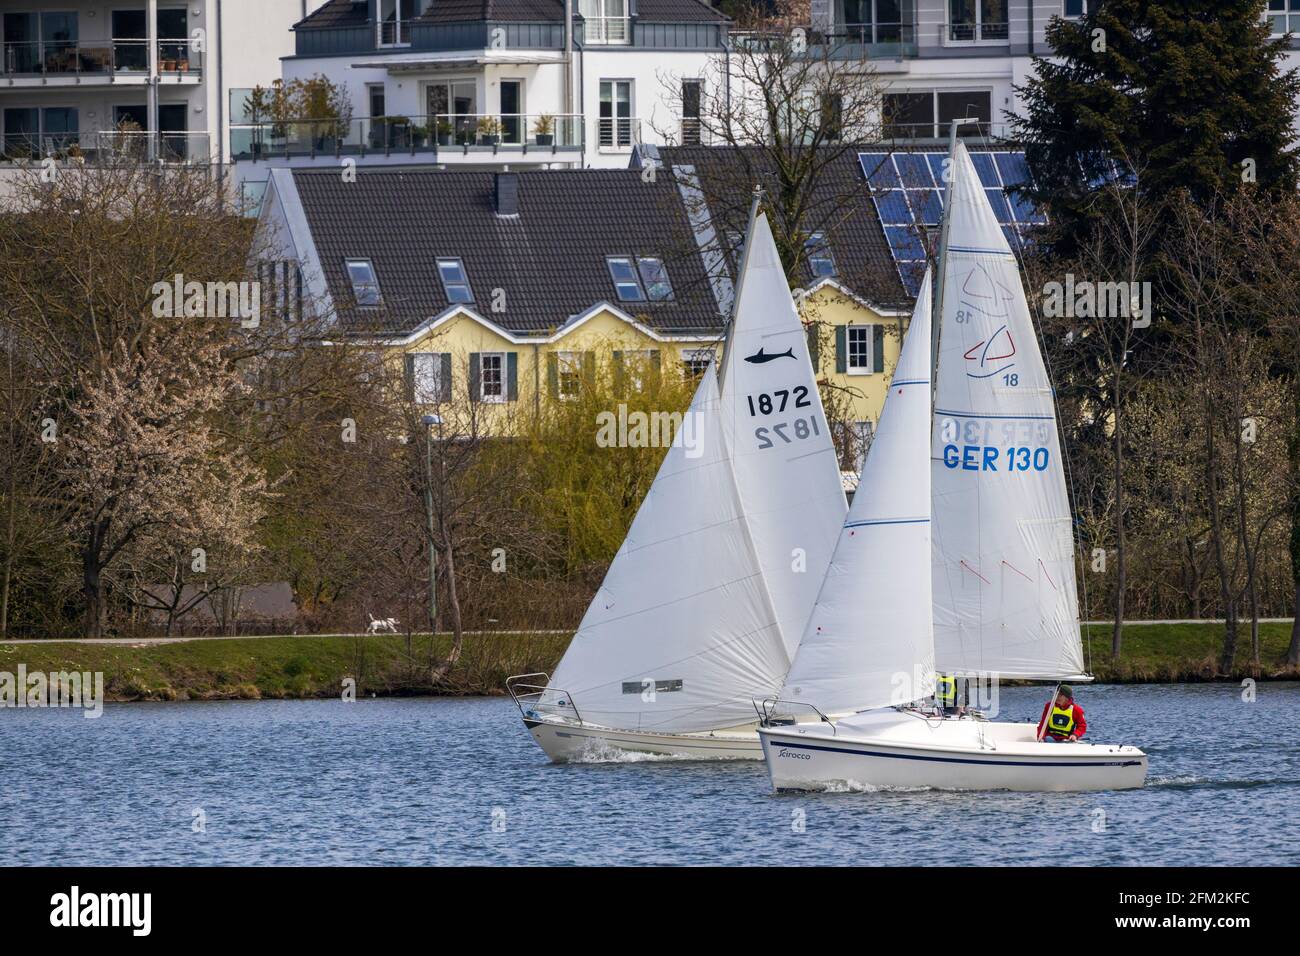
(378, 624)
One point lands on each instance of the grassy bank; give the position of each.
(1186, 652)
(315, 666)
(291, 666)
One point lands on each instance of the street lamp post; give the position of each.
(429, 421)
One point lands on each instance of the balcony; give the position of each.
(600, 31)
(106, 60)
(107, 146)
(974, 29)
(431, 135)
(369, 36)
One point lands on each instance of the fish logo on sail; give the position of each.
(762, 358)
(991, 356)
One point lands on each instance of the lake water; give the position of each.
(446, 781)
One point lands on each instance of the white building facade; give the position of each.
(77, 77)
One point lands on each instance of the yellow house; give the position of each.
(506, 289)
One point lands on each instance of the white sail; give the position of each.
(1004, 582)
(681, 634)
(784, 459)
(869, 641)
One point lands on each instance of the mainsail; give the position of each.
(1004, 580)
(869, 641)
(681, 634)
(784, 458)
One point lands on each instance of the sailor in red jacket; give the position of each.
(1062, 720)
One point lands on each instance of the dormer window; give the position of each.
(820, 259)
(605, 21)
(365, 285)
(454, 281)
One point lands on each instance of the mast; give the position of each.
(740, 277)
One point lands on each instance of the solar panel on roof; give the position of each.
(914, 211)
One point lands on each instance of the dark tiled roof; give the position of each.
(677, 11)
(521, 11)
(549, 260)
(335, 13)
(841, 208)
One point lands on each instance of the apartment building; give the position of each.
(78, 77)
(493, 82)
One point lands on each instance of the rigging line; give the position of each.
(677, 600)
(976, 573)
(1017, 570)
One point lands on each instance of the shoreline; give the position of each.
(287, 667)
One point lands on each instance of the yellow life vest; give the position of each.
(1060, 722)
(945, 690)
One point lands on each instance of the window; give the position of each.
(492, 376)
(394, 26)
(634, 369)
(695, 362)
(913, 115)
(1283, 17)
(615, 123)
(626, 284)
(909, 115)
(820, 260)
(427, 367)
(376, 96)
(692, 91)
(568, 367)
(832, 116)
(875, 21)
(966, 104)
(365, 286)
(654, 278)
(604, 21)
(977, 20)
(860, 339)
(454, 281)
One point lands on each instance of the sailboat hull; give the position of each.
(903, 750)
(568, 742)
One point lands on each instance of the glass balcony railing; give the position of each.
(107, 146)
(106, 58)
(971, 31)
(406, 134)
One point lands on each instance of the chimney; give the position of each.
(507, 193)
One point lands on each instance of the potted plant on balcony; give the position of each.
(419, 135)
(445, 132)
(544, 130)
(489, 131)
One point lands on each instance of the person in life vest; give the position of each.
(945, 694)
(1062, 720)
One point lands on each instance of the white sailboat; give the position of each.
(703, 605)
(984, 586)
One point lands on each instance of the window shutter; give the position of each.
(814, 347)
(475, 390)
(553, 374)
(409, 376)
(588, 368)
(512, 376)
(877, 348)
(444, 378)
(656, 363)
(841, 349)
(620, 375)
